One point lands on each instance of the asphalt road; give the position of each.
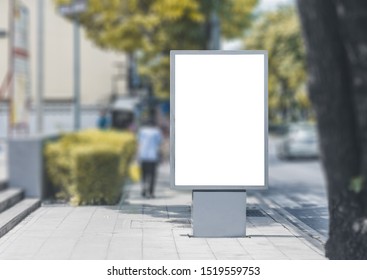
(298, 187)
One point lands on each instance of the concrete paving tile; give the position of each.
(234, 251)
(9, 238)
(35, 232)
(189, 256)
(269, 257)
(124, 216)
(87, 250)
(16, 256)
(123, 252)
(160, 257)
(150, 232)
(223, 242)
(263, 247)
(263, 250)
(67, 233)
(4, 241)
(135, 213)
(160, 247)
(56, 210)
(118, 246)
(194, 250)
(232, 247)
(150, 224)
(56, 248)
(229, 256)
(289, 243)
(32, 218)
(161, 237)
(160, 250)
(88, 255)
(41, 227)
(157, 244)
(292, 246)
(123, 224)
(102, 228)
(71, 227)
(124, 256)
(294, 252)
(306, 257)
(22, 248)
(119, 242)
(128, 232)
(103, 217)
(257, 241)
(193, 245)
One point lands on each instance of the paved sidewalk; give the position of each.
(150, 229)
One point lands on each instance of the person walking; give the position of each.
(149, 142)
(103, 121)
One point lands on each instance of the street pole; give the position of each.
(76, 75)
(214, 28)
(11, 66)
(40, 67)
(74, 9)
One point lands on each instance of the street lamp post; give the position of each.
(40, 66)
(11, 64)
(76, 74)
(214, 42)
(73, 10)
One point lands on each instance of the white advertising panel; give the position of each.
(219, 119)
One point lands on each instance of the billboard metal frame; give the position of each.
(173, 53)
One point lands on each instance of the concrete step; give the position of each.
(12, 216)
(9, 197)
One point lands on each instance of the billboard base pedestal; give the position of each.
(217, 213)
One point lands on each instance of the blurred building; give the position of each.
(102, 72)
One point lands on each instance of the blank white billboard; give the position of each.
(219, 119)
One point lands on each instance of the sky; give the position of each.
(270, 4)
(263, 6)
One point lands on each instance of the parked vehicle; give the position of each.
(299, 141)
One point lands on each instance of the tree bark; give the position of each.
(337, 62)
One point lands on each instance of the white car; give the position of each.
(300, 141)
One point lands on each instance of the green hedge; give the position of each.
(90, 167)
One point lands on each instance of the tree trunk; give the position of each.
(337, 61)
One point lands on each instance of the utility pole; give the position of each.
(74, 9)
(11, 66)
(76, 74)
(40, 66)
(214, 42)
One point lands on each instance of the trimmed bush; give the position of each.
(90, 167)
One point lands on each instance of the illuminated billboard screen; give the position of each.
(219, 119)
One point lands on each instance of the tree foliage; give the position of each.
(279, 33)
(151, 28)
